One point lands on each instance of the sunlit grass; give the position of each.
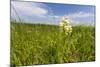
(33, 44)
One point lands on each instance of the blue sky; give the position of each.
(52, 13)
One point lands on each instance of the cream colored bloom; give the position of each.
(61, 24)
(65, 26)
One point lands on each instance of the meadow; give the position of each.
(36, 44)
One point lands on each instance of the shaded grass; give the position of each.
(33, 44)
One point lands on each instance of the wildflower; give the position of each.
(65, 20)
(65, 26)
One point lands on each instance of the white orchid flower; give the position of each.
(65, 26)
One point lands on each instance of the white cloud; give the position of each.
(81, 18)
(80, 15)
(77, 18)
(54, 16)
(30, 9)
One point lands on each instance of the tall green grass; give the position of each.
(33, 44)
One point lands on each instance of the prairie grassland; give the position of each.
(35, 44)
